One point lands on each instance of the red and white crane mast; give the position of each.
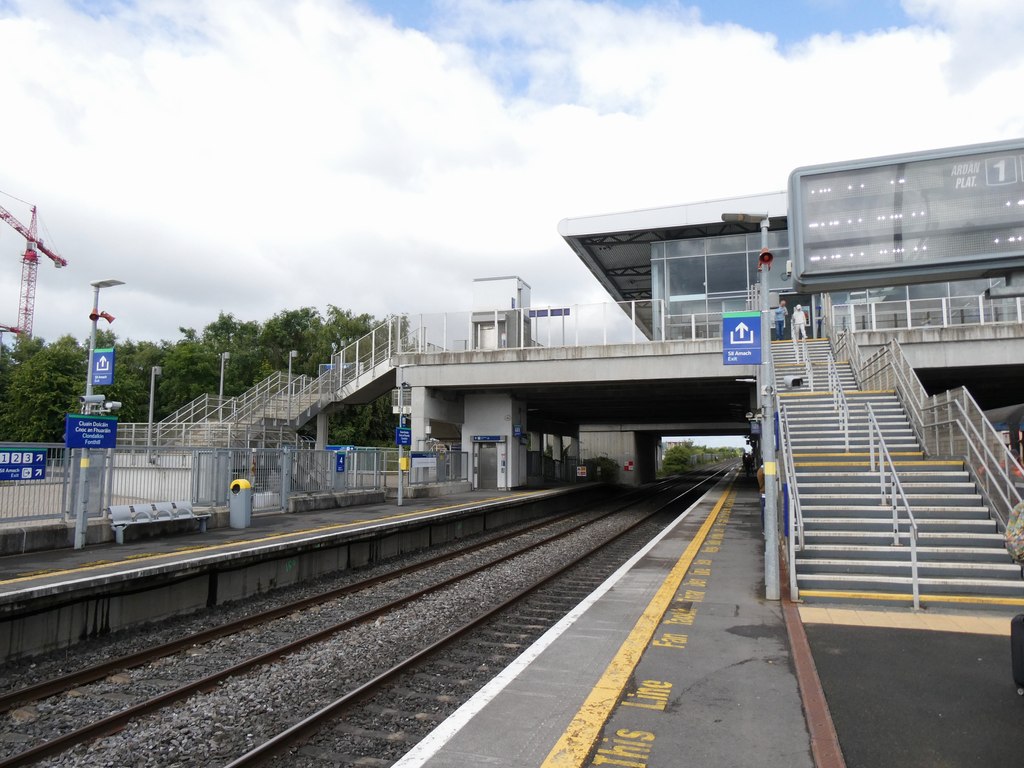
(29, 267)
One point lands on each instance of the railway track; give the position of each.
(242, 689)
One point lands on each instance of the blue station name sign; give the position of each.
(82, 431)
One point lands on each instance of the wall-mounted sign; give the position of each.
(488, 438)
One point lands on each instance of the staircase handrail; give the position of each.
(363, 355)
(840, 404)
(888, 368)
(991, 469)
(795, 534)
(200, 409)
(846, 348)
(889, 485)
(254, 399)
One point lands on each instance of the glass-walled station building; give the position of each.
(684, 267)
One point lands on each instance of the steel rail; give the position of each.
(117, 720)
(308, 726)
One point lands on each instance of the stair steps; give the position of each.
(848, 553)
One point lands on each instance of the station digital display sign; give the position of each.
(927, 217)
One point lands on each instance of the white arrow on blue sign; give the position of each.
(103, 366)
(741, 338)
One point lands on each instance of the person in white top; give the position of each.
(798, 324)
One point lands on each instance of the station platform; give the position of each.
(45, 570)
(678, 660)
(53, 599)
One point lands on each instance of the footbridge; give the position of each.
(586, 381)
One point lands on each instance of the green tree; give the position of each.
(247, 364)
(44, 385)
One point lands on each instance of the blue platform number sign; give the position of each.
(339, 461)
(403, 436)
(103, 366)
(741, 338)
(22, 463)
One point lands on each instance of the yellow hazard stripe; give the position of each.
(576, 742)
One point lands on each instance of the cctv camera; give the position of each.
(794, 381)
(89, 399)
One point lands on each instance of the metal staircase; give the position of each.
(271, 412)
(875, 519)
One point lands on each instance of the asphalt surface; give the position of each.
(919, 698)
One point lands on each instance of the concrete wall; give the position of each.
(951, 347)
(619, 446)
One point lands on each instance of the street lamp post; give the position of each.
(81, 519)
(291, 356)
(766, 403)
(224, 357)
(155, 371)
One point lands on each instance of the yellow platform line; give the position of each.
(579, 737)
(909, 598)
(865, 454)
(134, 559)
(963, 623)
(923, 463)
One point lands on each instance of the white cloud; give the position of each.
(254, 156)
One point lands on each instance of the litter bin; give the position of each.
(240, 504)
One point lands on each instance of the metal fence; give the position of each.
(926, 313)
(203, 476)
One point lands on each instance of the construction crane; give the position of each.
(29, 267)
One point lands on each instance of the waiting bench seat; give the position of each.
(124, 515)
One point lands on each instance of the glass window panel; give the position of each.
(694, 247)
(729, 305)
(727, 244)
(929, 290)
(686, 278)
(968, 287)
(694, 307)
(777, 241)
(658, 280)
(727, 273)
(893, 293)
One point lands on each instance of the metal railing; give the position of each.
(142, 474)
(795, 534)
(951, 424)
(48, 497)
(926, 313)
(839, 402)
(956, 426)
(890, 488)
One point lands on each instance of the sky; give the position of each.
(254, 156)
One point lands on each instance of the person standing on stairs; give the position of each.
(798, 325)
(780, 320)
(798, 331)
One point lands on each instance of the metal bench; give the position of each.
(124, 515)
